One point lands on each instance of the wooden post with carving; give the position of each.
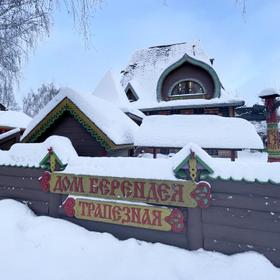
(271, 105)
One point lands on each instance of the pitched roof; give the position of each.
(110, 89)
(147, 65)
(14, 119)
(99, 117)
(208, 131)
(244, 169)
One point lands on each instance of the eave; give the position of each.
(67, 105)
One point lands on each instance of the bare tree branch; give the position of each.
(24, 22)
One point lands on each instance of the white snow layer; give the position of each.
(9, 133)
(127, 167)
(110, 89)
(106, 116)
(146, 66)
(14, 119)
(31, 154)
(269, 91)
(243, 169)
(208, 131)
(45, 248)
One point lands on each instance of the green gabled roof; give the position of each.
(178, 170)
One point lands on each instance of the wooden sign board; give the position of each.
(174, 193)
(149, 217)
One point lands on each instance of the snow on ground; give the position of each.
(44, 248)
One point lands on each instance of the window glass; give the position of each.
(187, 87)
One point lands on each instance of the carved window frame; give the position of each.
(188, 94)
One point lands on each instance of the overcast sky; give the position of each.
(246, 48)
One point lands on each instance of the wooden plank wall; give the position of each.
(242, 217)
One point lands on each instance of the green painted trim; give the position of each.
(273, 153)
(67, 105)
(178, 169)
(272, 125)
(45, 165)
(186, 58)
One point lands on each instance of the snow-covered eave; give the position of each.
(22, 129)
(165, 106)
(225, 148)
(52, 111)
(9, 134)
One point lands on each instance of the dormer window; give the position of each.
(130, 95)
(187, 87)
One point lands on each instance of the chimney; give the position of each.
(271, 105)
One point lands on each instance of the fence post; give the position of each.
(195, 230)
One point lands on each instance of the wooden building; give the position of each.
(177, 79)
(95, 127)
(12, 126)
(174, 79)
(219, 136)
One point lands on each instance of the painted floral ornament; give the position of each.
(69, 206)
(45, 181)
(176, 220)
(202, 194)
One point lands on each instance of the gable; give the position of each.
(83, 142)
(189, 68)
(40, 130)
(189, 74)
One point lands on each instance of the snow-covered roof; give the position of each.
(224, 100)
(31, 154)
(146, 66)
(268, 92)
(110, 89)
(14, 119)
(106, 116)
(208, 131)
(9, 133)
(251, 170)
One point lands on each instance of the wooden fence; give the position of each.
(242, 216)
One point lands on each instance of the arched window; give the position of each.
(187, 87)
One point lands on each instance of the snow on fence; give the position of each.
(242, 215)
